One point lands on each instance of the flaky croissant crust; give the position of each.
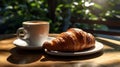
(73, 39)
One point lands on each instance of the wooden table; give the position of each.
(11, 56)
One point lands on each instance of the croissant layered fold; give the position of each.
(73, 39)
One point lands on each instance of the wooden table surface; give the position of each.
(11, 56)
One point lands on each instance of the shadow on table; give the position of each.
(19, 56)
(70, 58)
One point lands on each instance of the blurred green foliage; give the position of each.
(14, 12)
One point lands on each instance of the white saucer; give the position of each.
(24, 44)
(98, 47)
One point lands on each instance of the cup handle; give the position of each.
(25, 33)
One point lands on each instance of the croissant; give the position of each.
(73, 39)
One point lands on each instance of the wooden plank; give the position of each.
(102, 32)
(108, 23)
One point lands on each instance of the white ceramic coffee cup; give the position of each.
(35, 32)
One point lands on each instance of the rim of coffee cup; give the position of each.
(35, 22)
